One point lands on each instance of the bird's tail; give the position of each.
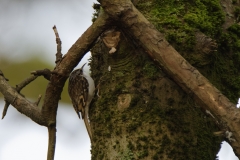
(87, 123)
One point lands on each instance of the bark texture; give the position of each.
(144, 34)
(148, 107)
(141, 113)
(47, 115)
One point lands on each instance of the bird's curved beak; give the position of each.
(83, 66)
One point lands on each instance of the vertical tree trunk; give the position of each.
(141, 113)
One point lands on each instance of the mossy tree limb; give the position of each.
(190, 79)
(133, 23)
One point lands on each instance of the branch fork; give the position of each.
(139, 28)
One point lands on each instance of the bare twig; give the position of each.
(1, 74)
(18, 89)
(47, 116)
(20, 103)
(5, 108)
(61, 72)
(38, 100)
(83, 44)
(46, 73)
(23, 84)
(51, 142)
(59, 45)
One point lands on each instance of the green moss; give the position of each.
(226, 64)
(130, 146)
(161, 116)
(136, 83)
(155, 108)
(97, 8)
(180, 19)
(119, 88)
(136, 98)
(143, 138)
(155, 157)
(165, 141)
(126, 155)
(118, 131)
(235, 28)
(143, 154)
(150, 71)
(133, 126)
(237, 13)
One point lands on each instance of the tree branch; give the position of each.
(69, 61)
(38, 100)
(5, 108)
(46, 73)
(59, 45)
(175, 65)
(19, 87)
(1, 74)
(83, 44)
(20, 103)
(57, 78)
(61, 72)
(23, 84)
(51, 142)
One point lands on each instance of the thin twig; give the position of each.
(5, 108)
(51, 142)
(59, 45)
(21, 104)
(46, 73)
(18, 88)
(23, 84)
(47, 115)
(1, 74)
(38, 100)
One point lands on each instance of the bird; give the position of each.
(81, 89)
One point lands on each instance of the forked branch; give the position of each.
(24, 106)
(57, 78)
(18, 88)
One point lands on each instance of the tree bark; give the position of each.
(141, 113)
(132, 22)
(47, 115)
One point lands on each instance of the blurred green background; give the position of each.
(17, 71)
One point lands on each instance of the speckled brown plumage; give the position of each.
(78, 91)
(81, 91)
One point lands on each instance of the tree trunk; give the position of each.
(137, 116)
(140, 113)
